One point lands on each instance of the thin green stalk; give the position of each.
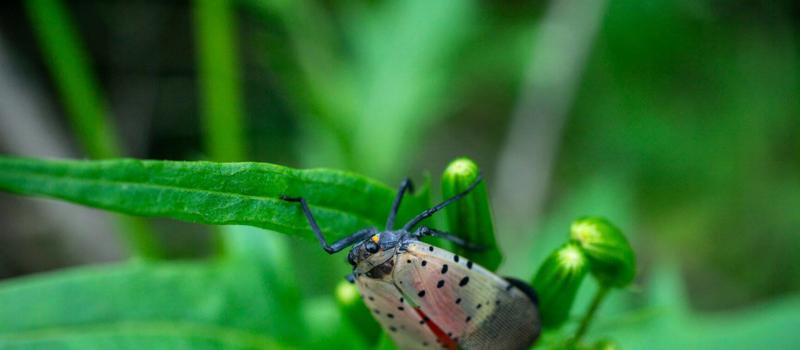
(84, 104)
(221, 103)
(599, 296)
(71, 73)
(219, 80)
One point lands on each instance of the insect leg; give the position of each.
(336, 246)
(427, 231)
(427, 213)
(406, 185)
(345, 242)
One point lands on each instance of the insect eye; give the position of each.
(372, 247)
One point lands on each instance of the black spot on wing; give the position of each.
(455, 258)
(458, 301)
(424, 262)
(469, 265)
(464, 281)
(440, 284)
(444, 269)
(421, 293)
(430, 248)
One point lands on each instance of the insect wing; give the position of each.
(473, 306)
(396, 316)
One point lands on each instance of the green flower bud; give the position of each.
(613, 261)
(353, 308)
(605, 345)
(470, 217)
(557, 283)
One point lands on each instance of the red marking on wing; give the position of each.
(448, 342)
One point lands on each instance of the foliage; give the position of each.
(212, 193)
(683, 132)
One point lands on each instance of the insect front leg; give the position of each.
(336, 246)
(427, 231)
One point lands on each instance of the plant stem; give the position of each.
(70, 68)
(587, 319)
(221, 101)
(529, 155)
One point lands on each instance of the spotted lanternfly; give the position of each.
(427, 297)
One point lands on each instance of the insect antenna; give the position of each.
(427, 213)
(405, 186)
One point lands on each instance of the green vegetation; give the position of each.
(669, 127)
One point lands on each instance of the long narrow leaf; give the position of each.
(210, 193)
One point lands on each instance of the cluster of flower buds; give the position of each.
(595, 246)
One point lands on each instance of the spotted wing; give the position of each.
(397, 317)
(473, 306)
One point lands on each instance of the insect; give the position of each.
(426, 297)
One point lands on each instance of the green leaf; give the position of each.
(769, 325)
(385, 343)
(355, 311)
(212, 193)
(201, 305)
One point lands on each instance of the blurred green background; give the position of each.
(677, 120)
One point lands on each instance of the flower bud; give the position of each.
(470, 217)
(557, 283)
(353, 308)
(612, 259)
(605, 345)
